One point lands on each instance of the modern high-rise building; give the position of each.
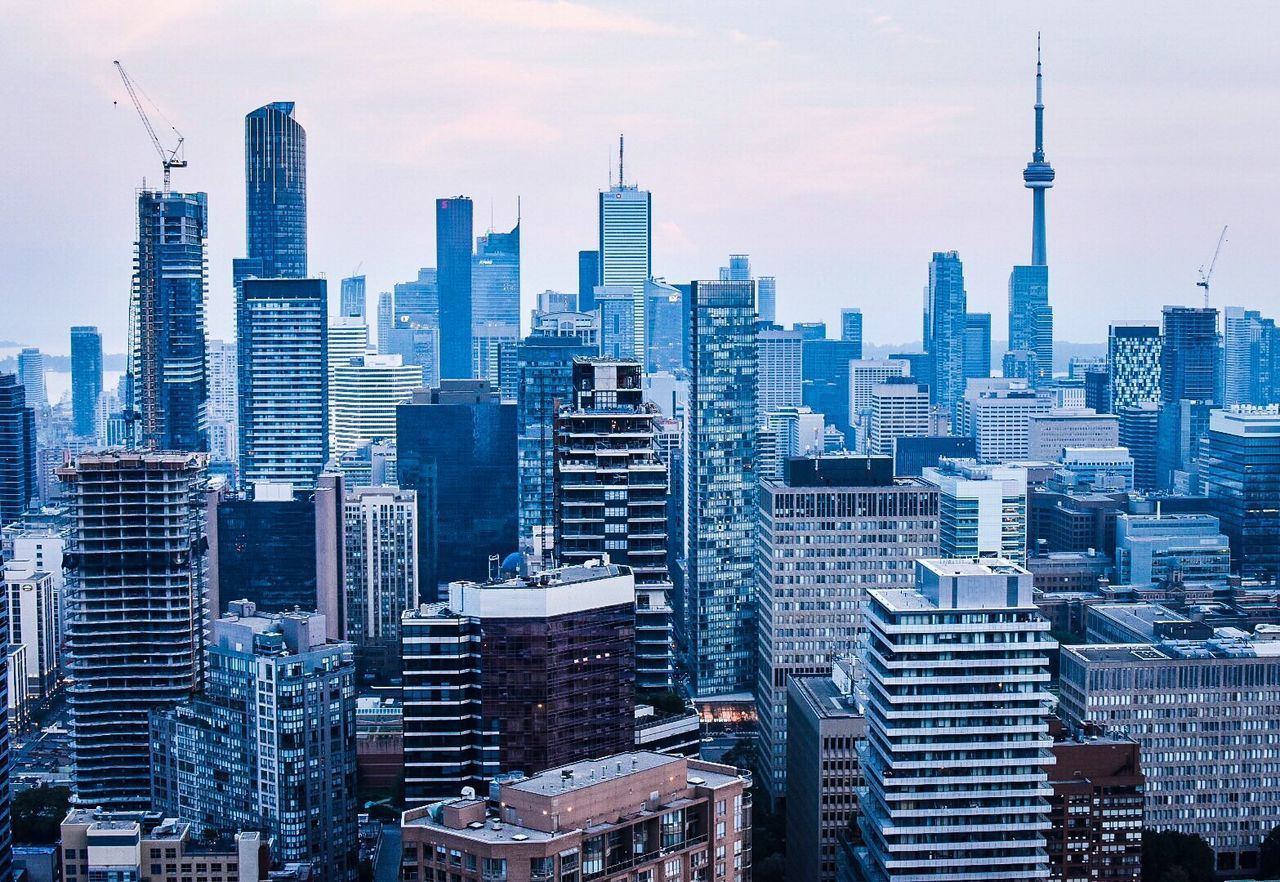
(626, 245)
(1133, 358)
(767, 299)
(957, 743)
(456, 446)
(899, 409)
(1140, 433)
(544, 369)
(417, 345)
(718, 630)
(170, 285)
(616, 306)
(812, 576)
(851, 325)
(17, 450)
(825, 366)
(363, 399)
(738, 270)
(977, 345)
(588, 278)
(785, 433)
(1190, 357)
(1251, 358)
(944, 328)
(348, 338)
(386, 320)
(86, 381)
(1148, 690)
(1150, 548)
(668, 332)
(381, 530)
(1048, 433)
(418, 302)
(31, 375)
(495, 278)
(453, 268)
(140, 533)
(223, 410)
(515, 674)
(282, 368)
(864, 376)
(611, 499)
(33, 625)
(983, 509)
(352, 302)
(275, 178)
(779, 371)
(269, 744)
(1240, 468)
(997, 414)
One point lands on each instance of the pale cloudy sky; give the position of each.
(838, 143)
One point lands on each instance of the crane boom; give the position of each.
(1207, 276)
(168, 160)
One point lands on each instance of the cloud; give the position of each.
(742, 38)
(537, 15)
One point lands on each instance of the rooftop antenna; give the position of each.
(620, 178)
(517, 209)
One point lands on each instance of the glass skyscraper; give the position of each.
(282, 366)
(86, 380)
(453, 268)
(588, 278)
(977, 345)
(944, 328)
(170, 284)
(1133, 359)
(1190, 358)
(850, 325)
(718, 629)
(626, 247)
(495, 278)
(1240, 468)
(352, 304)
(275, 177)
(1251, 358)
(17, 450)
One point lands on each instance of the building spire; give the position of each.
(1038, 156)
(620, 178)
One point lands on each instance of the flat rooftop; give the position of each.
(587, 773)
(826, 699)
(969, 567)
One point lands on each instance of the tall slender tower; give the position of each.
(1030, 315)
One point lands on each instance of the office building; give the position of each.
(626, 248)
(667, 333)
(1190, 357)
(453, 268)
(1182, 427)
(126, 660)
(982, 509)
(495, 278)
(1097, 389)
(1049, 432)
(1139, 433)
(1100, 469)
(826, 724)
(825, 366)
(167, 309)
(147, 847)
(719, 484)
(417, 303)
(517, 674)
(1133, 361)
(283, 400)
(417, 345)
(851, 325)
(348, 338)
(275, 178)
(1150, 690)
(1095, 811)
(616, 305)
(1151, 548)
(611, 499)
(767, 300)
(911, 456)
(833, 528)
(281, 549)
(977, 345)
(588, 278)
(787, 433)
(646, 815)
(381, 570)
(544, 384)
(811, 330)
(17, 450)
(33, 625)
(956, 769)
(352, 303)
(456, 446)
(997, 414)
(738, 270)
(31, 375)
(944, 328)
(86, 381)
(864, 376)
(270, 742)
(898, 410)
(1251, 358)
(386, 320)
(365, 394)
(223, 410)
(550, 301)
(779, 371)
(1240, 468)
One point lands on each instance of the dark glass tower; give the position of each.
(945, 318)
(1190, 360)
(453, 268)
(275, 178)
(170, 282)
(86, 379)
(977, 345)
(588, 278)
(352, 303)
(17, 450)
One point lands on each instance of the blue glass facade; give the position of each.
(719, 622)
(86, 379)
(495, 279)
(825, 375)
(17, 450)
(588, 278)
(1031, 317)
(851, 326)
(977, 345)
(352, 303)
(944, 328)
(1191, 357)
(453, 267)
(1240, 467)
(275, 178)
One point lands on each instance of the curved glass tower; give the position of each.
(275, 178)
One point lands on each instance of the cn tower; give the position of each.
(1038, 175)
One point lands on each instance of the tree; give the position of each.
(38, 814)
(1176, 857)
(1269, 860)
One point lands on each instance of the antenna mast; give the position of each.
(620, 178)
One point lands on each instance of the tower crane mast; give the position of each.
(170, 159)
(1207, 276)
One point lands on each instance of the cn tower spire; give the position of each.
(1038, 175)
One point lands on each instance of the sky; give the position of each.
(839, 144)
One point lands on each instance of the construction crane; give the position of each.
(1206, 277)
(171, 159)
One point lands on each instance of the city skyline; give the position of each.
(851, 147)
